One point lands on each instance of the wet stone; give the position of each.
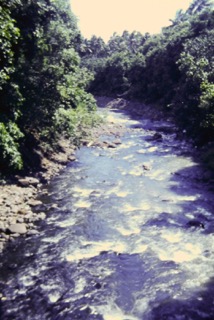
(2, 227)
(124, 256)
(12, 266)
(5, 236)
(157, 137)
(19, 228)
(35, 203)
(98, 285)
(23, 211)
(117, 142)
(41, 215)
(32, 232)
(195, 224)
(28, 181)
(111, 145)
(15, 235)
(146, 167)
(20, 220)
(71, 158)
(54, 206)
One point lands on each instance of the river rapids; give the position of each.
(131, 237)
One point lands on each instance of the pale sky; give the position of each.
(104, 17)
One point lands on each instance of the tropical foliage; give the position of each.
(40, 75)
(174, 69)
(47, 67)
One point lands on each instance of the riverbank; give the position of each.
(19, 208)
(131, 224)
(18, 197)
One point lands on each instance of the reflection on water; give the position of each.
(130, 239)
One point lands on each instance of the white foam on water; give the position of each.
(80, 285)
(145, 206)
(67, 223)
(83, 204)
(128, 207)
(118, 191)
(142, 151)
(172, 237)
(186, 198)
(129, 157)
(184, 252)
(113, 312)
(159, 174)
(126, 145)
(54, 239)
(129, 230)
(83, 191)
(111, 118)
(137, 171)
(54, 297)
(141, 305)
(152, 149)
(93, 249)
(140, 248)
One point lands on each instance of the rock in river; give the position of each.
(19, 228)
(28, 181)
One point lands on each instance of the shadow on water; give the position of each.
(199, 212)
(52, 287)
(198, 307)
(195, 181)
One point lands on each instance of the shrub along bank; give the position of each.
(42, 86)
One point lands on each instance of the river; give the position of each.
(131, 237)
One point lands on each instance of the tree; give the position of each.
(40, 74)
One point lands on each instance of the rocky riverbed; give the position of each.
(19, 208)
(128, 232)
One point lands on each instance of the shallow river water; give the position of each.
(131, 238)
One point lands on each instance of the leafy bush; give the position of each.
(41, 81)
(9, 146)
(75, 124)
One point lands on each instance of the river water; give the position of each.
(131, 238)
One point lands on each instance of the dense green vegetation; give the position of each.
(42, 86)
(47, 67)
(174, 69)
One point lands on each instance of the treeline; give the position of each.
(47, 68)
(174, 69)
(42, 86)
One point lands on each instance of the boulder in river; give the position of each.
(146, 167)
(117, 141)
(157, 137)
(19, 228)
(28, 181)
(195, 224)
(35, 203)
(72, 158)
(2, 227)
(32, 232)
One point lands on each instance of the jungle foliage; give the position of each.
(174, 69)
(47, 68)
(40, 77)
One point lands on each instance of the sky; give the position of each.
(104, 17)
